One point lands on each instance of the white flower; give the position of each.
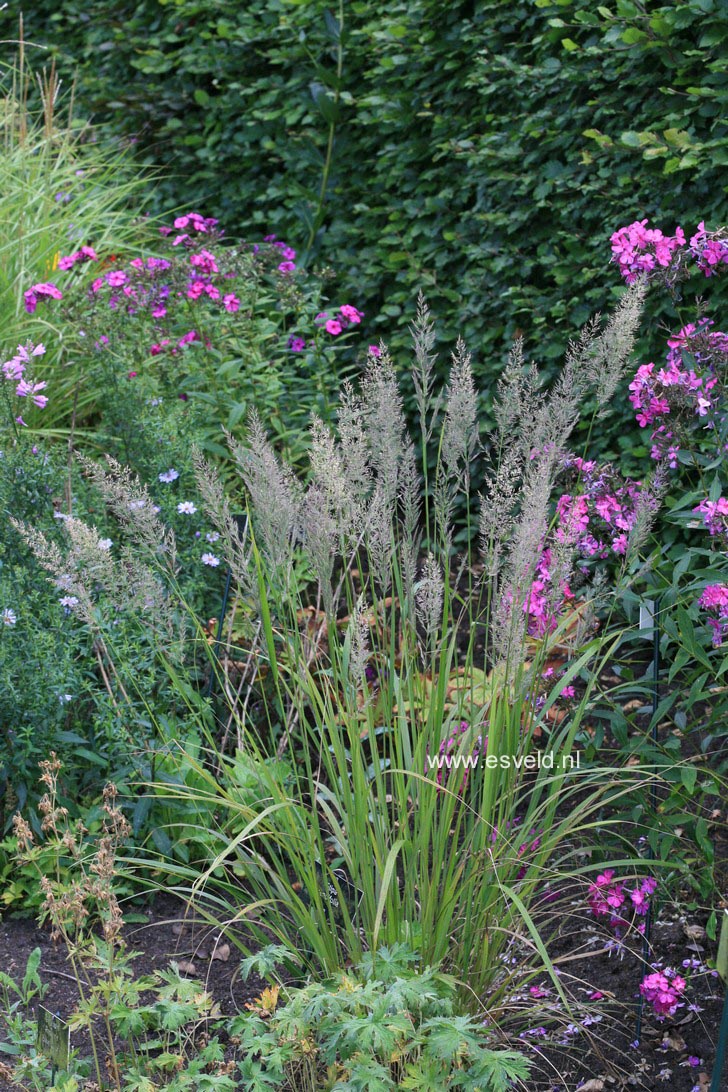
(211, 560)
(9, 617)
(64, 698)
(212, 536)
(187, 508)
(105, 543)
(68, 601)
(135, 504)
(60, 515)
(169, 475)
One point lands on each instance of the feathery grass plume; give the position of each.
(105, 585)
(647, 506)
(50, 556)
(319, 535)
(430, 593)
(522, 554)
(235, 550)
(352, 430)
(498, 507)
(275, 494)
(423, 378)
(384, 423)
(460, 433)
(517, 389)
(328, 471)
(609, 355)
(128, 500)
(518, 402)
(357, 642)
(380, 538)
(410, 508)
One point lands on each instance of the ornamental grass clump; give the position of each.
(60, 186)
(360, 641)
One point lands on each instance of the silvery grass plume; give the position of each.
(430, 593)
(235, 548)
(320, 534)
(517, 402)
(275, 495)
(98, 586)
(610, 353)
(129, 502)
(460, 434)
(648, 502)
(357, 644)
(459, 441)
(384, 424)
(423, 377)
(354, 450)
(410, 507)
(345, 495)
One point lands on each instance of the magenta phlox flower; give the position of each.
(663, 990)
(205, 262)
(714, 600)
(715, 515)
(44, 290)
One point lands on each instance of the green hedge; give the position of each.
(482, 151)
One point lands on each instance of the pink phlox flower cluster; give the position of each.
(715, 515)
(335, 324)
(202, 288)
(116, 278)
(151, 265)
(608, 896)
(36, 292)
(543, 602)
(598, 520)
(192, 221)
(709, 250)
(205, 262)
(85, 254)
(714, 600)
(664, 991)
(681, 391)
(642, 251)
(638, 249)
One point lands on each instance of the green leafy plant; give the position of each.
(381, 1025)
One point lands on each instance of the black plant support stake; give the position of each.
(653, 610)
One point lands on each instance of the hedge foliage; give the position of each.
(483, 151)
